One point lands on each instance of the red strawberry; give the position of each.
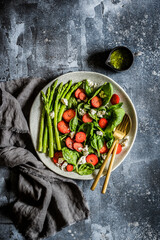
(69, 168)
(103, 122)
(92, 158)
(115, 99)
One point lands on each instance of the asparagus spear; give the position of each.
(68, 95)
(52, 92)
(49, 123)
(48, 93)
(50, 98)
(59, 92)
(45, 138)
(65, 92)
(62, 93)
(41, 129)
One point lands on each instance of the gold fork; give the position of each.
(119, 134)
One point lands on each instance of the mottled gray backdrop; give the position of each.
(47, 38)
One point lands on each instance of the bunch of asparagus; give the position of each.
(48, 132)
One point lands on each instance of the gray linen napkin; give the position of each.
(46, 202)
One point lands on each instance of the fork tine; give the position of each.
(122, 126)
(119, 126)
(125, 123)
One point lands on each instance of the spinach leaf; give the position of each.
(109, 109)
(102, 108)
(87, 106)
(96, 92)
(87, 128)
(70, 156)
(116, 118)
(87, 88)
(107, 92)
(119, 105)
(99, 164)
(72, 102)
(91, 129)
(88, 131)
(108, 135)
(86, 169)
(81, 105)
(96, 124)
(98, 127)
(61, 137)
(93, 116)
(73, 123)
(97, 142)
(100, 142)
(90, 150)
(83, 127)
(109, 143)
(94, 142)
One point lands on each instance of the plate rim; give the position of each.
(79, 177)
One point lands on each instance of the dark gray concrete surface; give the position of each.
(48, 38)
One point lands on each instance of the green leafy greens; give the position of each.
(73, 123)
(70, 156)
(86, 169)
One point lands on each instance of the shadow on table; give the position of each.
(98, 59)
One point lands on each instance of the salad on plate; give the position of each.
(77, 124)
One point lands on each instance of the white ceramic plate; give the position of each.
(99, 79)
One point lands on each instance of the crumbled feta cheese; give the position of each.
(90, 83)
(85, 153)
(64, 101)
(101, 113)
(64, 165)
(82, 111)
(72, 134)
(104, 156)
(52, 114)
(60, 160)
(95, 84)
(124, 141)
(93, 111)
(107, 105)
(82, 160)
(99, 133)
(80, 148)
(85, 150)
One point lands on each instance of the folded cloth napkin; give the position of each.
(46, 202)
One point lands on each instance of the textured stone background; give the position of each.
(48, 38)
